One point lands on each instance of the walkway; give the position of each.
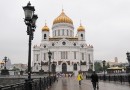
(70, 83)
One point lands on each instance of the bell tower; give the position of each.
(45, 33)
(81, 33)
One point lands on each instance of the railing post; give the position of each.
(40, 84)
(50, 80)
(109, 78)
(26, 84)
(44, 83)
(0, 87)
(129, 79)
(121, 79)
(47, 82)
(12, 88)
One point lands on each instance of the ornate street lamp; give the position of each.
(104, 63)
(30, 20)
(49, 56)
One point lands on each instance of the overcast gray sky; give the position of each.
(107, 24)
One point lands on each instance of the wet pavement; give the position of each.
(70, 83)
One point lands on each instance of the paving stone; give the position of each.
(71, 83)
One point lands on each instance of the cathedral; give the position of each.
(70, 53)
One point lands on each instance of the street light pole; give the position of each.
(5, 60)
(104, 62)
(49, 56)
(30, 20)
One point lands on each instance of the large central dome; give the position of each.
(62, 18)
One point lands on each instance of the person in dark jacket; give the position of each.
(94, 80)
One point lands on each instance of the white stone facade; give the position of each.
(69, 53)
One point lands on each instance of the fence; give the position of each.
(114, 78)
(36, 84)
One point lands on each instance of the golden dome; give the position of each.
(81, 28)
(62, 18)
(45, 28)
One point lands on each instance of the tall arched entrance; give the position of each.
(53, 68)
(64, 68)
(75, 67)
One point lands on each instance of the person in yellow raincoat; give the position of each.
(79, 77)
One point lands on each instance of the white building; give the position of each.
(19, 66)
(69, 53)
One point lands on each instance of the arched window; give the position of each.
(44, 36)
(64, 68)
(55, 32)
(70, 33)
(67, 32)
(58, 32)
(82, 36)
(53, 68)
(82, 56)
(37, 67)
(63, 32)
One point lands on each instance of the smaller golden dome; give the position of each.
(81, 28)
(45, 28)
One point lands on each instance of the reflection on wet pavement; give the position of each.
(70, 83)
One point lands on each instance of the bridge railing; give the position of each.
(37, 84)
(113, 77)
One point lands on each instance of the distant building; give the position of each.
(20, 67)
(116, 63)
(116, 67)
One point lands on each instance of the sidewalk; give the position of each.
(70, 83)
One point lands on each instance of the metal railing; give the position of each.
(115, 78)
(37, 84)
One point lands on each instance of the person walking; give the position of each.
(79, 77)
(94, 80)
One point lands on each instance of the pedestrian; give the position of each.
(79, 77)
(94, 80)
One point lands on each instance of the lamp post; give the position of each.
(128, 58)
(49, 56)
(5, 60)
(30, 20)
(104, 62)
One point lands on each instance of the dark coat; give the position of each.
(94, 77)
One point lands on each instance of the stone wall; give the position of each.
(9, 81)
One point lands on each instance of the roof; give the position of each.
(115, 68)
